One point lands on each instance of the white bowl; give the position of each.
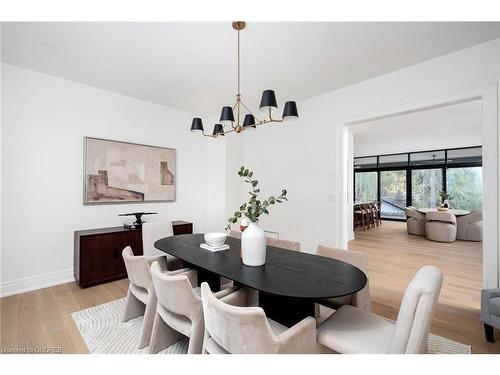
(215, 239)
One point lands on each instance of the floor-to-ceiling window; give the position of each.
(464, 178)
(426, 185)
(465, 187)
(416, 178)
(366, 185)
(393, 194)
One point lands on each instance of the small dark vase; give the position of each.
(446, 204)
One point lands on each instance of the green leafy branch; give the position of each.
(254, 208)
(445, 196)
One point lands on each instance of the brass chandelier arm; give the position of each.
(271, 118)
(208, 135)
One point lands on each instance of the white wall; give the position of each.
(457, 125)
(300, 156)
(44, 120)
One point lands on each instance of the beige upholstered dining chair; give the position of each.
(284, 244)
(153, 231)
(276, 242)
(470, 227)
(232, 328)
(358, 259)
(352, 330)
(179, 310)
(415, 221)
(141, 296)
(441, 226)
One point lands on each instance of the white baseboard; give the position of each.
(27, 284)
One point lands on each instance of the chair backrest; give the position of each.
(463, 224)
(357, 259)
(441, 216)
(284, 244)
(237, 330)
(412, 212)
(234, 234)
(473, 216)
(152, 231)
(137, 269)
(416, 312)
(175, 292)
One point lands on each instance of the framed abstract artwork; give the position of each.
(121, 172)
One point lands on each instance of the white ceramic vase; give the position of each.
(253, 246)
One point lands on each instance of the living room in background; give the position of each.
(485, 100)
(416, 178)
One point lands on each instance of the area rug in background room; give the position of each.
(104, 333)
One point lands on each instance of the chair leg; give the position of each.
(133, 307)
(488, 332)
(147, 323)
(197, 335)
(205, 339)
(317, 311)
(162, 335)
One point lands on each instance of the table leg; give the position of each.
(286, 310)
(213, 279)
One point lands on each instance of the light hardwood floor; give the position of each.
(393, 259)
(42, 318)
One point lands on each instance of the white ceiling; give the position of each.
(449, 126)
(192, 66)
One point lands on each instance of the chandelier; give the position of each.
(229, 123)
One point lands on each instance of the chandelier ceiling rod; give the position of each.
(268, 101)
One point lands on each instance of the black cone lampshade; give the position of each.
(268, 100)
(227, 115)
(290, 111)
(197, 124)
(218, 129)
(249, 121)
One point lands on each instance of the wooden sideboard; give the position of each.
(98, 252)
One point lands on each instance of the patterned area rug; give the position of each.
(104, 333)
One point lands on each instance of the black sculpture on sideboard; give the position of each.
(138, 216)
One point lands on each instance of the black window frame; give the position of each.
(409, 168)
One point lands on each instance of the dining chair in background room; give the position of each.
(351, 330)
(358, 259)
(441, 226)
(470, 227)
(141, 296)
(284, 244)
(231, 328)
(179, 310)
(374, 214)
(415, 221)
(361, 216)
(152, 231)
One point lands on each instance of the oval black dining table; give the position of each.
(288, 284)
